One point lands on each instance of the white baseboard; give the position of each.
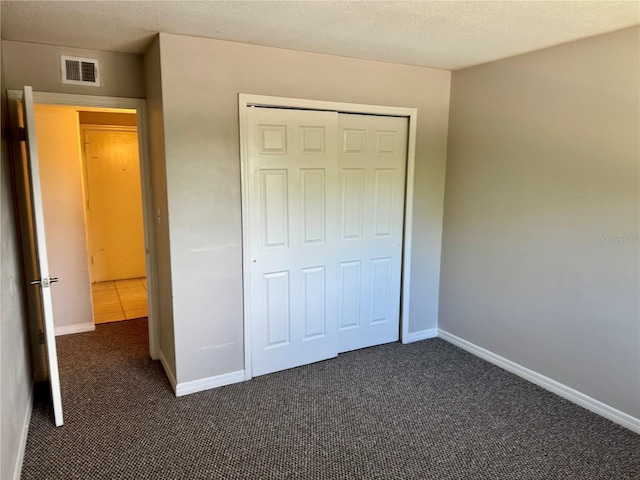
(75, 328)
(420, 335)
(595, 406)
(194, 386)
(168, 371)
(17, 471)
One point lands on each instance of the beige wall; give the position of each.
(540, 261)
(39, 66)
(160, 208)
(61, 175)
(15, 371)
(200, 99)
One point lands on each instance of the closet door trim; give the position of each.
(246, 101)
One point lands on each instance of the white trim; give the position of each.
(139, 105)
(168, 371)
(91, 101)
(208, 383)
(22, 447)
(75, 328)
(420, 335)
(591, 404)
(245, 100)
(246, 272)
(408, 228)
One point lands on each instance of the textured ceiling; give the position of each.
(440, 34)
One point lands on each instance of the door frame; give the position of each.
(245, 101)
(140, 107)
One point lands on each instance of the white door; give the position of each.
(292, 203)
(114, 206)
(43, 281)
(326, 202)
(372, 162)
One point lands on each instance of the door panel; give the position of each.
(293, 231)
(349, 287)
(380, 286)
(314, 302)
(383, 197)
(277, 308)
(275, 217)
(352, 202)
(313, 202)
(372, 162)
(114, 195)
(41, 281)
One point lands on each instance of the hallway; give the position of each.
(119, 300)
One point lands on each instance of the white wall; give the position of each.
(15, 371)
(201, 80)
(541, 261)
(62, 194)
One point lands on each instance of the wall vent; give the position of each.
(80, 71)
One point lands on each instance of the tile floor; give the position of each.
(119, 300)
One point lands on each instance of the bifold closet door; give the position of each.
(326, 203)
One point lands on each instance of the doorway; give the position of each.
(91, 168)
(63, 195)
(71, 225)
(114, 217)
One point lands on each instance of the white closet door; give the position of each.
(372, 165)
(292, 167)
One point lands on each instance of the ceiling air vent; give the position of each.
(80, 71)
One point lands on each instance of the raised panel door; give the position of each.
(372, 165)
(292, 166)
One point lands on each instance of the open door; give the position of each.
(35, 257)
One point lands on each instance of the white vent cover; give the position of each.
(80, 71)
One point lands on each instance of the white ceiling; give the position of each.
(441, 34)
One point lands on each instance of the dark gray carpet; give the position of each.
(422, 411)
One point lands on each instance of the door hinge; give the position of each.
(41, 337)
(22, 134)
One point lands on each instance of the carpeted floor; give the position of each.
(427, 410)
